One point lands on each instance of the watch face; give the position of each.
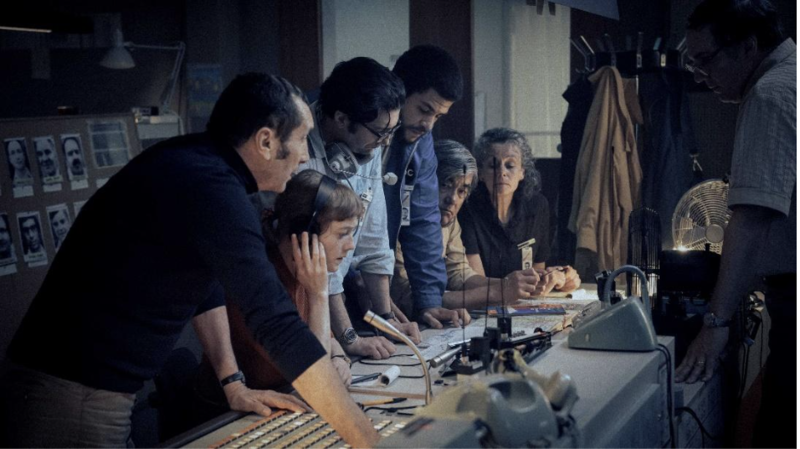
(350, 336)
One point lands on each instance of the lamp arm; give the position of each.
(169, 89)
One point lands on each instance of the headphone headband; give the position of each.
(324, 192)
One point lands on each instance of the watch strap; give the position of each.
(388, 315)
(238, 376)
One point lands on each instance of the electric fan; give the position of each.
(701, 216)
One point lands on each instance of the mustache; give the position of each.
(417, 129)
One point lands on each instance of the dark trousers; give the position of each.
(776, 423)
(40, 410)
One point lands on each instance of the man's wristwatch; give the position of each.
(388, 316)
(238, 376)
(711, 320)
(348, 337)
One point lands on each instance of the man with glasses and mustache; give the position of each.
(738, 49)
(433, 83)
(357, 114)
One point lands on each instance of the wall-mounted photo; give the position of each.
(78, 205)
(19, 167)
(76, 163)
(47, 160)
(7, 253)
(8, 256)
(109, 140)
(30, 232)
(60, 223)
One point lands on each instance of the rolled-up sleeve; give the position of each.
(765, 152)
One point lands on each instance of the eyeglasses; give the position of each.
(382, 135)
(696, 66)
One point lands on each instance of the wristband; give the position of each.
(238, 376)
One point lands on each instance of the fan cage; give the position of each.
(702, 206)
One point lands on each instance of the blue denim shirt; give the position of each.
(421, 240)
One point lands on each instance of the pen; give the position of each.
(382, 402)
(365, 378)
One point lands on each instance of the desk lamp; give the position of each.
(118, 57)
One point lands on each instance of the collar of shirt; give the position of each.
(235, 161)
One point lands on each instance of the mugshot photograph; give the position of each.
(18, 165)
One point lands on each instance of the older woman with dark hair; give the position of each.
(506, 221)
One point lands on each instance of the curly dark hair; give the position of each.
(482, 151)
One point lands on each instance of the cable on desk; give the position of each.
(411, 377)
(381, 363)
(703, 432)
(664, 350)
(393, 409)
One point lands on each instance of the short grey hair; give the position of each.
(483, 151)
(454, 160)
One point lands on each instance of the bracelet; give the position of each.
(342, 356)
(388, 315)
(238, 376)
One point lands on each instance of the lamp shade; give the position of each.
(118, 57)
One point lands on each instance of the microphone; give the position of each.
(390, 179)
(374, 320)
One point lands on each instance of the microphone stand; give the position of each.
(384, 326)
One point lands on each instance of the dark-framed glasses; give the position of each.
(699, 65)
(383, 135)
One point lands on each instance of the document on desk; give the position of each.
(437, 340)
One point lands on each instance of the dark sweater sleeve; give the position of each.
(218, 222)
(215, 299)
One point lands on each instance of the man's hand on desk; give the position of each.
(434, 317)
(372, 347)
(401, 322)
(409, 328)
(548, 280)
(343, 369)
(243, 399)
(572, 281)
(702, 358)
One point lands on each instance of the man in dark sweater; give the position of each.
(164, 242)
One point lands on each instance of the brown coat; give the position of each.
(608, 175)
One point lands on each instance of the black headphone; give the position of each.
(324, 192)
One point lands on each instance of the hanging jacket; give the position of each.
(579, 95)
(608, 174)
